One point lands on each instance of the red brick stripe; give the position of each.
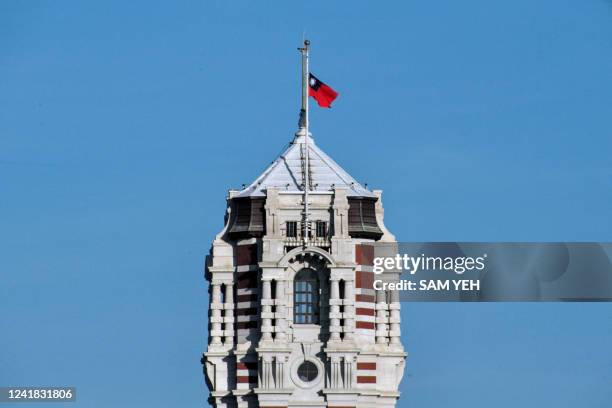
(244, 379)
(247, 325)
(364, 255)
(364, 280)
(364, 325)
(366, 379)
(362, 311)
(248, 365)
(246, 280)
(253, 298)
(365, 298)
(366, 366)
(246, 255)
(247, 312)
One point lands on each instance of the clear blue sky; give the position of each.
(123, 124)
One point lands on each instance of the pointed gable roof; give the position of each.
(286, 172)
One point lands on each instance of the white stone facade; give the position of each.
(324, 338)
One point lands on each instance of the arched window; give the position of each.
(306, 297)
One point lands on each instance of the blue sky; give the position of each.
(123, 124)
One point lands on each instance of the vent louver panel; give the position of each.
(250, 218)
(362, 218)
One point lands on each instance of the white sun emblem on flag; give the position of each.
(312, 82)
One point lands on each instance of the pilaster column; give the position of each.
(348, 372)
(381, 317)
(266, 310)
(265, 373)
(229, 314)
(280, 371)
(334, 310)
(349, 309)
(394, 318)
(340, 213)
(280, 312)
(215, 318)
(335, 373)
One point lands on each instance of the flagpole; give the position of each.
(305, 72)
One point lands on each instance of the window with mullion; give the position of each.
(291, 229)
(321, 229)
(306, 297)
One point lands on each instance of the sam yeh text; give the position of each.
(430, 285)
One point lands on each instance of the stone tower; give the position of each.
(294, 319)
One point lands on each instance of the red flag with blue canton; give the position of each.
(322, 93)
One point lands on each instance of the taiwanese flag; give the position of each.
(322, 93)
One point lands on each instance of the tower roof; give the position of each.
(286, 172)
